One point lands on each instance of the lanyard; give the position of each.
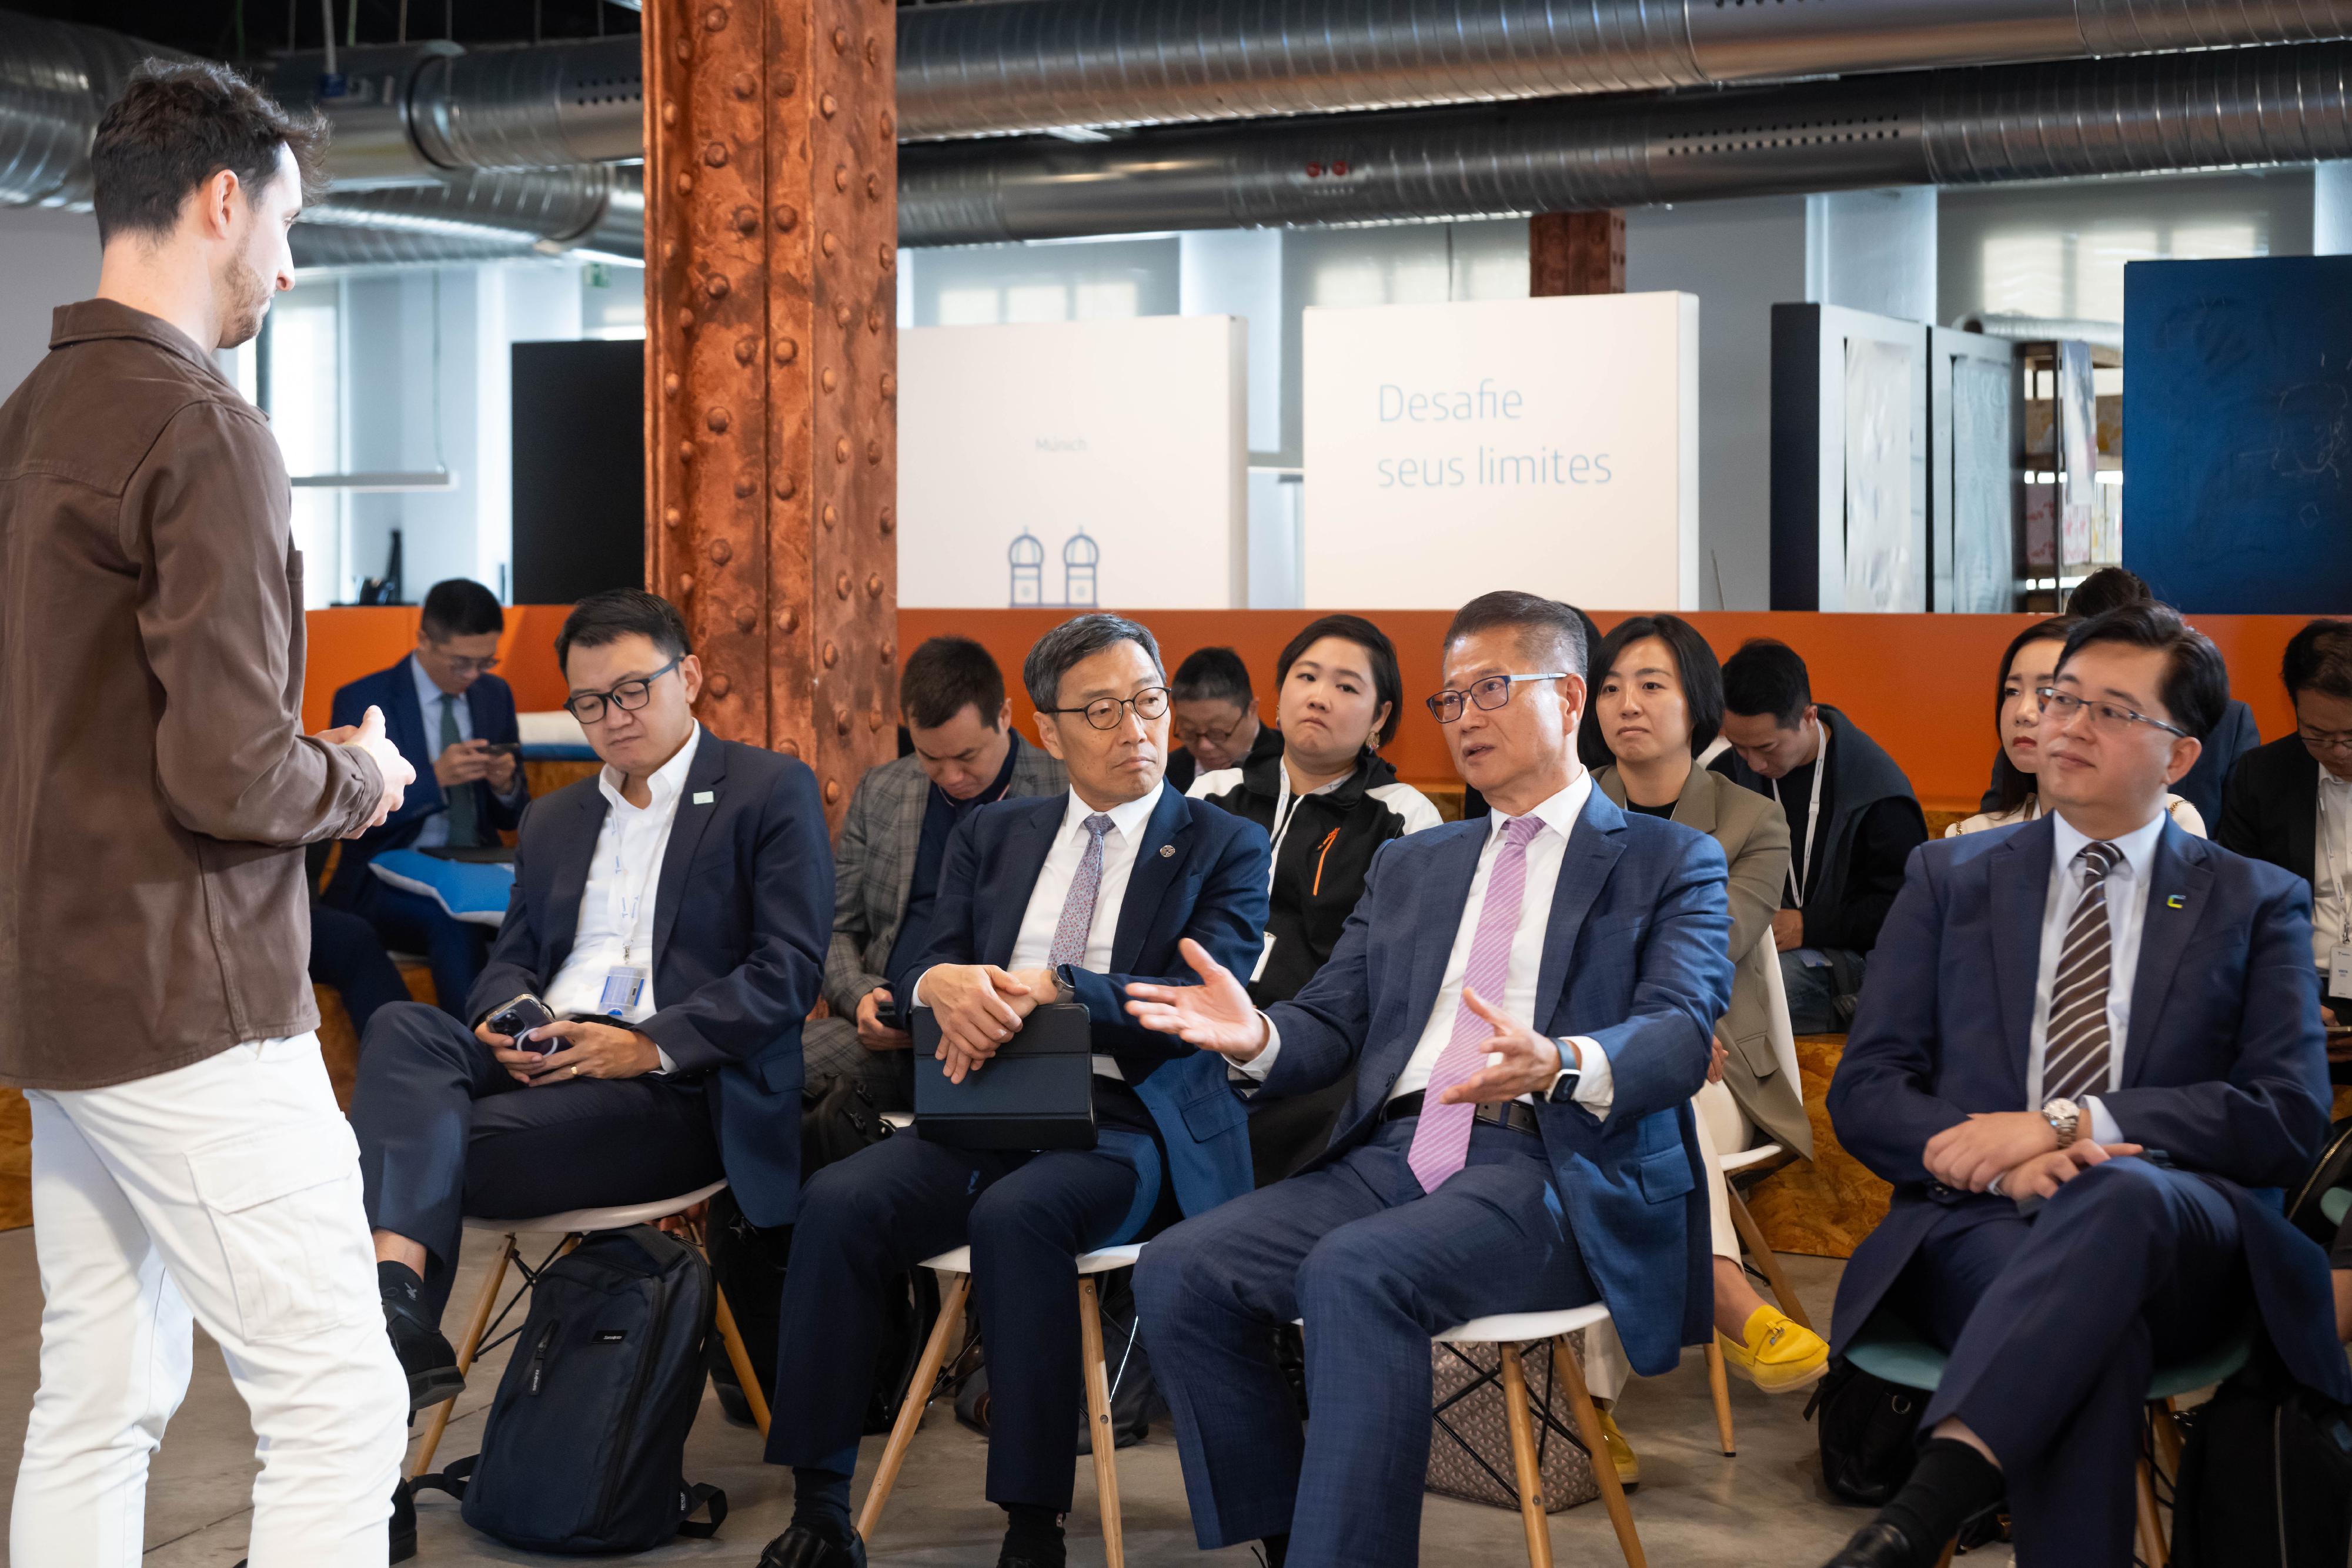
(1800, 875)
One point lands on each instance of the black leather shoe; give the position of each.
(1877, 1544)
(801, 1547)
(425, 1355)
(404, 1524)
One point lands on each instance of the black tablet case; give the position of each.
(1036, 1092)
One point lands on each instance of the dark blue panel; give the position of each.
(2238, 432)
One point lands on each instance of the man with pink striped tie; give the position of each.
(1526, 1002)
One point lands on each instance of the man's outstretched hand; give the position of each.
(1520, 1062)
(1215, 1015)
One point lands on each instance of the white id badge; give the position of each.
(1268, 952)
(622, 987)
(2339, 971)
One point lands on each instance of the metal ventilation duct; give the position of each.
(1021, 66)
(56, 80)
(2208, 109)
(596, 208)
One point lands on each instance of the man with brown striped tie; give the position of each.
(2087, 1046)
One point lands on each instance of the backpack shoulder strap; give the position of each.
(451, 1478)
(699, 1495)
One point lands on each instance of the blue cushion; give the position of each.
(548, 751)
(2335, 1202)
(475, 892)
(1890, 1348)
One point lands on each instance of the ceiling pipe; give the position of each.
(1013, 66)
(56, 81)
(597, 209)
(2211, 109)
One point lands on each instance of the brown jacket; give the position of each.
(155, 786)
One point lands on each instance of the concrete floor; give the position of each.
(1694, 1507)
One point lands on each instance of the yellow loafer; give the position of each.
(1778, 1355)
(1620, 1452)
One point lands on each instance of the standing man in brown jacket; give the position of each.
(189, 1165)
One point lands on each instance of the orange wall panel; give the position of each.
(347, 644)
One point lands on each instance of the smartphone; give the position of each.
(510, 747)
(517, 1018)
(886, 1013)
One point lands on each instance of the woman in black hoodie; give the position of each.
(1329, 802)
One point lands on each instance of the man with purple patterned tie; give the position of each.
(2086, 1046)
(1070, 897)
(1527, 1000)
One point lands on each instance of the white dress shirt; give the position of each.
(1596, 1088)
(435, 833)
(2331, 845)
(617, 907)
(1043, 917)
(2127, 890)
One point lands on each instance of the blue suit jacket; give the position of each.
(1211, 889)
(489, 707)
(741, 923)
(1636, 956)
(2225, 1068)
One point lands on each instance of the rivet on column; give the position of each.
(890, 523)
(786, 219)
(786, 83)
(746, 617)
(829, 515)
(715, 155)
(720, 552)
(827, 379)
(747, 485)
(786, 350)
(787, 486)
(671, 517)
(841, 314)
(718, 421)
(873, 585)
(719, 686)
(832, 786)
(889, 384)
(669, 384)
(873, 450)
(827, 105)
(841, 585)
(788, 620)
(841, 450)
(832, 656)
(840, 719)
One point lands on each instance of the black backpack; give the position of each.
(2265, 1478)
(584, 1448)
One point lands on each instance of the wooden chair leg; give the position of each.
(476, 1327)
(1566, 1375)
(2154, 1550)
(1718, 1383)
(1752, 1235)
(910, 1413)
(739, 1356)
(2168, 1435)
(1532, 1517)
(1949, 1546)
(1104, 1438)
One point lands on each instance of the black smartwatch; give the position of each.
(1563, 1088)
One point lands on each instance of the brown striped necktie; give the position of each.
(2075, 1059)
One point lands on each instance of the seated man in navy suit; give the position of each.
(1075, 896)
(673, 912)
(441, 702)
(1527, 1002)
(2088, 1051)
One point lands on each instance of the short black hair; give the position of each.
(1074, 641)
(1388, 686)
(1211, 675)
(2011, 789)
(2105, 589)
(603, 619)
(1550, 632)
(178, 124)
(461, 607)
(946, 675)
(1766, 677)
(2196, 682)
(2319, 659)
(1695, 662)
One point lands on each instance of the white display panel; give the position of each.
(1082, 464)
(1546, 445)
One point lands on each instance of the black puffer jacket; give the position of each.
(1323, 846)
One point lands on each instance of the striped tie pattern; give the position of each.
(1078, 910)
(2074, 1061)
(1441, 1140)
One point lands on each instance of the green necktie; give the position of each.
(462, 835)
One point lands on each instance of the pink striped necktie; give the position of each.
(1440, 1143)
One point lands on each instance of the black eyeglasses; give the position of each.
(1104, 713)
(2062, 707)
(588, 707)
(1488, 695)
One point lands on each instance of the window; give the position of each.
(303, 359)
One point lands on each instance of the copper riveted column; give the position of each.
(772, 366)
(1576, 253)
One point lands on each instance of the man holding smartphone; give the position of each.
(189, 1164)
(670, 916)
(440, 701)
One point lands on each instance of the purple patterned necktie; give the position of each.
(1078, 909)
(1440, 1143)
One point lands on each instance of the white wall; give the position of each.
(1872, 250)
(1740, 258)
(49, 259)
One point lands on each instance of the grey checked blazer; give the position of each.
(874, 865)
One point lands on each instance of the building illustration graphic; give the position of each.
(1026, 561)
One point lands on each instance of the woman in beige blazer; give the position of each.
(1657, 702)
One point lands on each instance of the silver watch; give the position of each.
(2064, 1118)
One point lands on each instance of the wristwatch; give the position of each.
(1063, 991)
(1563, 1087)
(2064, 1117)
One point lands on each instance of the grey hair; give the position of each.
(1548, 630)
(1072, 643)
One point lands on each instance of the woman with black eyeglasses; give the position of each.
(2026, 670)
(1329, 800)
